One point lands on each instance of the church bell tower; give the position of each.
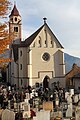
(15, 23)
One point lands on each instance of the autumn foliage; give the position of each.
(5, 37)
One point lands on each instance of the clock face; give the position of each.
(46, 56)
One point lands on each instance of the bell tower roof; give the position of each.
(14, 12)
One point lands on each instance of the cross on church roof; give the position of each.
(44, 19)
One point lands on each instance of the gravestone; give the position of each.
(69, 99)
(26, 114)
(72, 92)
(76, 98)
(66, 95)
(9, 88)
(26, 109)
(27, 96)
(36, 102)
(57, 101)
(43, 115)
(48, 105)
(15, 106)
(79, 96)
(22, 105)
(9, 104)
(35, 118)
(56, 114)
(77, 113)
(8, 115)
(26, 100)
(31, 95)
(69, 110)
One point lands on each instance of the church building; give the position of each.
(36, 61)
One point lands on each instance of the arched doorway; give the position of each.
(46, 82)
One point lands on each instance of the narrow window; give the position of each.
(20, 66)
(21, 81)
(39, 42)
(15, 29)
(20, 53)
(51, 43)
(45, 43)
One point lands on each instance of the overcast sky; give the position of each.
(63, 17)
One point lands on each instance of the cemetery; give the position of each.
(57, 104)
(31, 89)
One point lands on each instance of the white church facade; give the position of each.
(39, 60)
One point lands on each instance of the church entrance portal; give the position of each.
(46, 82)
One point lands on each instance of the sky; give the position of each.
(63, 17)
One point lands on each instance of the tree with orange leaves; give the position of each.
(5, 37)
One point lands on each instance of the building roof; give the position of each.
(75, 72)
(30, 39)
(14, 12)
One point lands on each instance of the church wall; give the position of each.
(22, 61)
(16, 77)
(38, 64)
(59, 63)
(8, 71)
(61, 80)
(22, 66)
(12, 72)
(32, 65)
(41, 77)
(40, 68)
(77, 83)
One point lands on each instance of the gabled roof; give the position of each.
(30, 39)
(54, 36)
(75, 72)
(14, 12)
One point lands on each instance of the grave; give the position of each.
(42, 115)
(77, 113)
(48, 105)
(26, 114)
(69, 112)
(25, 107)
(27, 96)
(76, 98)
(69, 103)
(8, 115)
(71, 91)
